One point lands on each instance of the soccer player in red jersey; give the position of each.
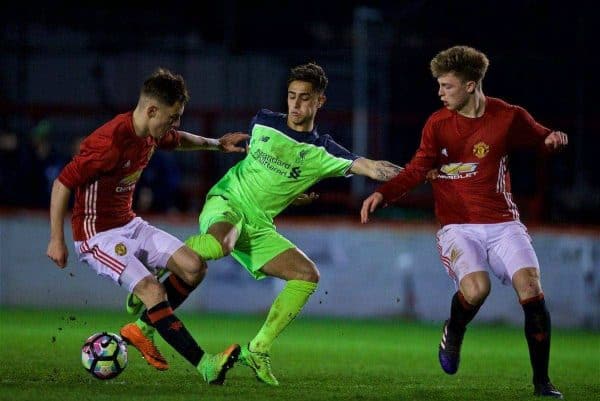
(467, 142)
(114, 242)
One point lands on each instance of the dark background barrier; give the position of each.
(66, 69)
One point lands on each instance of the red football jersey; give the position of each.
(471, 156)
(104, 173)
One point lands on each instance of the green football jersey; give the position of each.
(280, 165)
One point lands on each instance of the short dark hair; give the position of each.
(465, 62)
(167, 87)
(312, 73)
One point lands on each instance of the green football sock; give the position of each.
(205, 245)
(286, 306)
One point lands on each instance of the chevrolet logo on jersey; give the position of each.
(131, 178)
(458, 170)
(128, 183)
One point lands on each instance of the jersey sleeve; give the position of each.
(97, 155)
(415, 172)
(525, 131)
(337, 150)
(335, 160)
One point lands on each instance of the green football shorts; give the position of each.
(258, 242)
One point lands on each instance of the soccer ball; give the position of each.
(104, 355)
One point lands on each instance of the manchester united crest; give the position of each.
(480, 149)
(120, 249)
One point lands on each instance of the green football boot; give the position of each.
(213, 368)
(260, 362)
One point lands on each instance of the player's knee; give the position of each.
(527, 283)
(188, 265)
(227, 247)
(476, 292)
(475, 287)
(194, 272)
(310, 273)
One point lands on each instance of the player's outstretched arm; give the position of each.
(369, 205)
(556, 140)
(230, 142)
(59, 201)
(380, 170)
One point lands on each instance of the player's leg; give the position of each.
(162, 318)
(521, 268)
(220, 227)
(111, 254)
(473, 290)
(203, 245)
(302, 277)
(134, 305)
(526, 282)
(158, 248)
(187, 271)
(163, 252)
(218, 241)
(463, 255)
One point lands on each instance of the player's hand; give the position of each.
(556, 140)
(58, 253)
(305, 199)
(229, 142)
(369, 205)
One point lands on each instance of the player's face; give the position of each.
(163, 118)
(303, 103)
(453, 92)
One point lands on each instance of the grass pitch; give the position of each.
(314, 359)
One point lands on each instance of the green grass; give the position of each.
(315, 359)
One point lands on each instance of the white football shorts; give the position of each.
(502, 248)
(129, 253)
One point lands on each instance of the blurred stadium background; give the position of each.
(67, 69)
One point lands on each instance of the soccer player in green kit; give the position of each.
(286, 156)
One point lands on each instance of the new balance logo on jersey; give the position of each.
(294, 173)
(264, 138)
(302, 154)
(127, 164)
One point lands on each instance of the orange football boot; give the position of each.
(134, 336)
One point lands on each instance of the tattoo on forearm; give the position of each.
(385, 170)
